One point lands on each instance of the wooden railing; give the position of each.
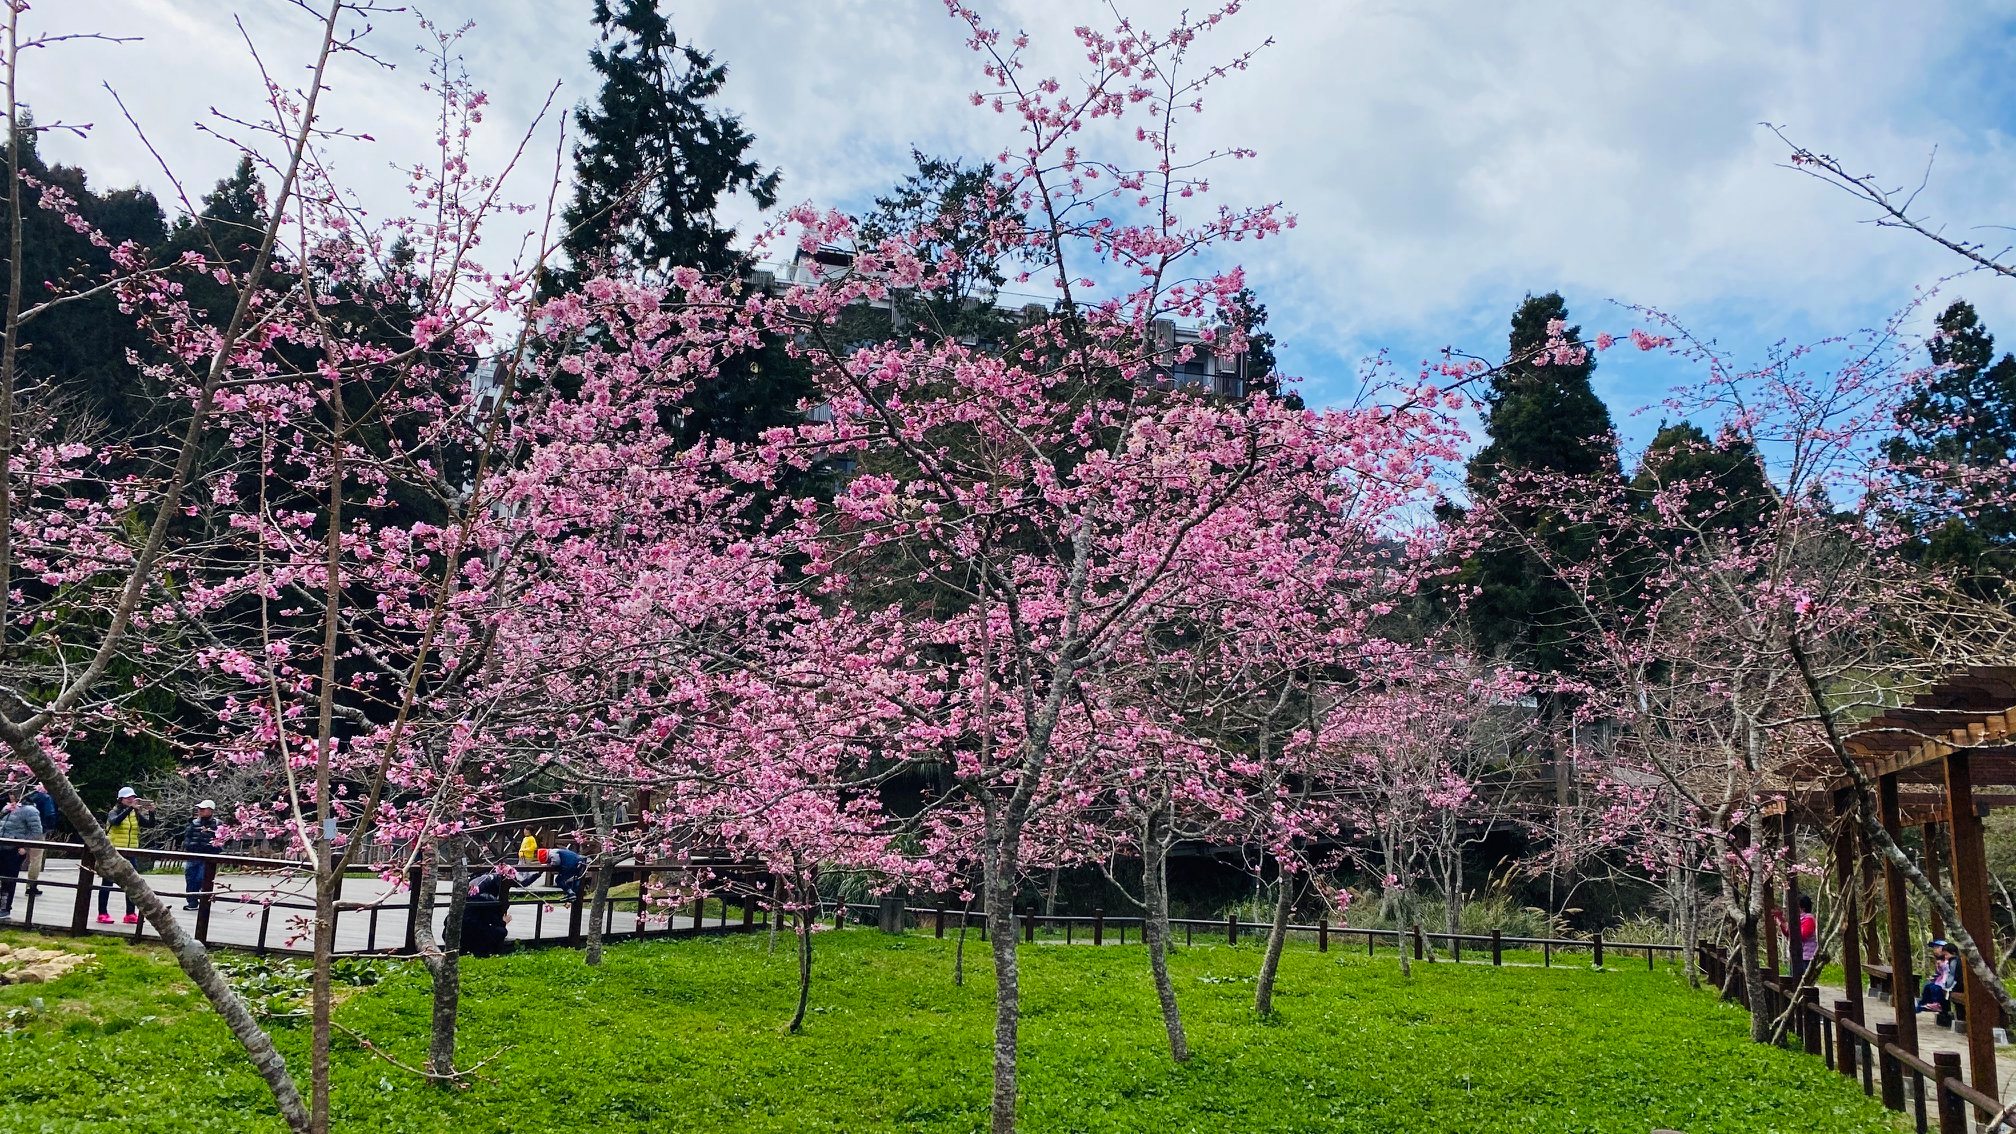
(1098, 925)
(276, 917)
(1933, 1092)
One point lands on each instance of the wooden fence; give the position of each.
(1096, 927)
(1934, 1092)
(270, 914)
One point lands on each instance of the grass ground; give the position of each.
(685, 1035)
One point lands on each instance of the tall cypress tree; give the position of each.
(1542, 417)
(656, 159)
(1961, 421)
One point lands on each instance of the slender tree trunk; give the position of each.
(776, 914)
(321, 988)
(1452, 893)
(805, 916)
(604, 859)
(1404, 922)
(959, 947)
(443, 960)
(1000, 892)
(1277, 938)
(1155, 927)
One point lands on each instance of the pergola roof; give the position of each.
(1972, 710)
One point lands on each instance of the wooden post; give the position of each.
(1903, 986)
(412, 945)
(1768, 928)
(1845, 877)
(1844, 1040)
(938, 920)
(1596, 942)
(80, 916)
(1497, 947)
(1970, 894)
(1322, 935)
(1795, 942)
(1098, 926)
(1933, 838)
(1029, 926)
(1809, 1018)
(1420, 944)
(1232, 929)
(1889, 1071)
(748, 912)
(1952, 1111)
(574, 918)
(1870, 893)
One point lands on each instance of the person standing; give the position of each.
(45, 806)
(199, 837)
(123, 824)
(18, 820)
(1804, 941)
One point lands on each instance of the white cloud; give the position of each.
(1444, 157)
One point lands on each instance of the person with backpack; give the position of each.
(18, 820)
(486, 912)
(129, 816)
(45, 806)
(199, 837)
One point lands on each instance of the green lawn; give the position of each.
(685, 1036)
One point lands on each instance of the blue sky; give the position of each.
(1444, 157)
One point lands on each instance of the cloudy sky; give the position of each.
(1444, 157)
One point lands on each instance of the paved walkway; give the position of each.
(250, 908)
(1931, 1037)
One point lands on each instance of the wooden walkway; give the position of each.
(269, 912)
(1931, 1037)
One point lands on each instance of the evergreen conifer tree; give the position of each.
(1542, 417)
(1962, 420)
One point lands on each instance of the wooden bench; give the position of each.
(1881, 981)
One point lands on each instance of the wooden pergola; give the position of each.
(1941, 763)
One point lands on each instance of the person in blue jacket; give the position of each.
(568, 869)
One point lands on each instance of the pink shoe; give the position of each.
(130, 919)
(105, 919)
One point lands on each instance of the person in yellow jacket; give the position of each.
(123, 825)
(528, 850)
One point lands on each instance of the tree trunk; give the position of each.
(605, 859)
(443, 961)
(1277, 937)
(1155, 927)
(1452, 894)
(805, 916)
(189, 953)
(1000, 886)
(959, 947)
(321, 992)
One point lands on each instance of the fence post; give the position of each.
(80, 917)
(1098, 926)
(1232, 929)
(1497, 947)
(1029, 926)
(1596, 942)
(1811, 1025)
(1952, 1110)
(1371, 944)
(938, 920)
(1456, 947)
(413, 880)
(748, 910)
(1322, 935)
(1420, 944)
(1888, 1069)
(1844, 1040)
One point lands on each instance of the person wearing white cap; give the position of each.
(122, 825)
(199, 837)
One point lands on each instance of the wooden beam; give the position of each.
(1847, 880)
(1970, 895)
(1897, 908)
